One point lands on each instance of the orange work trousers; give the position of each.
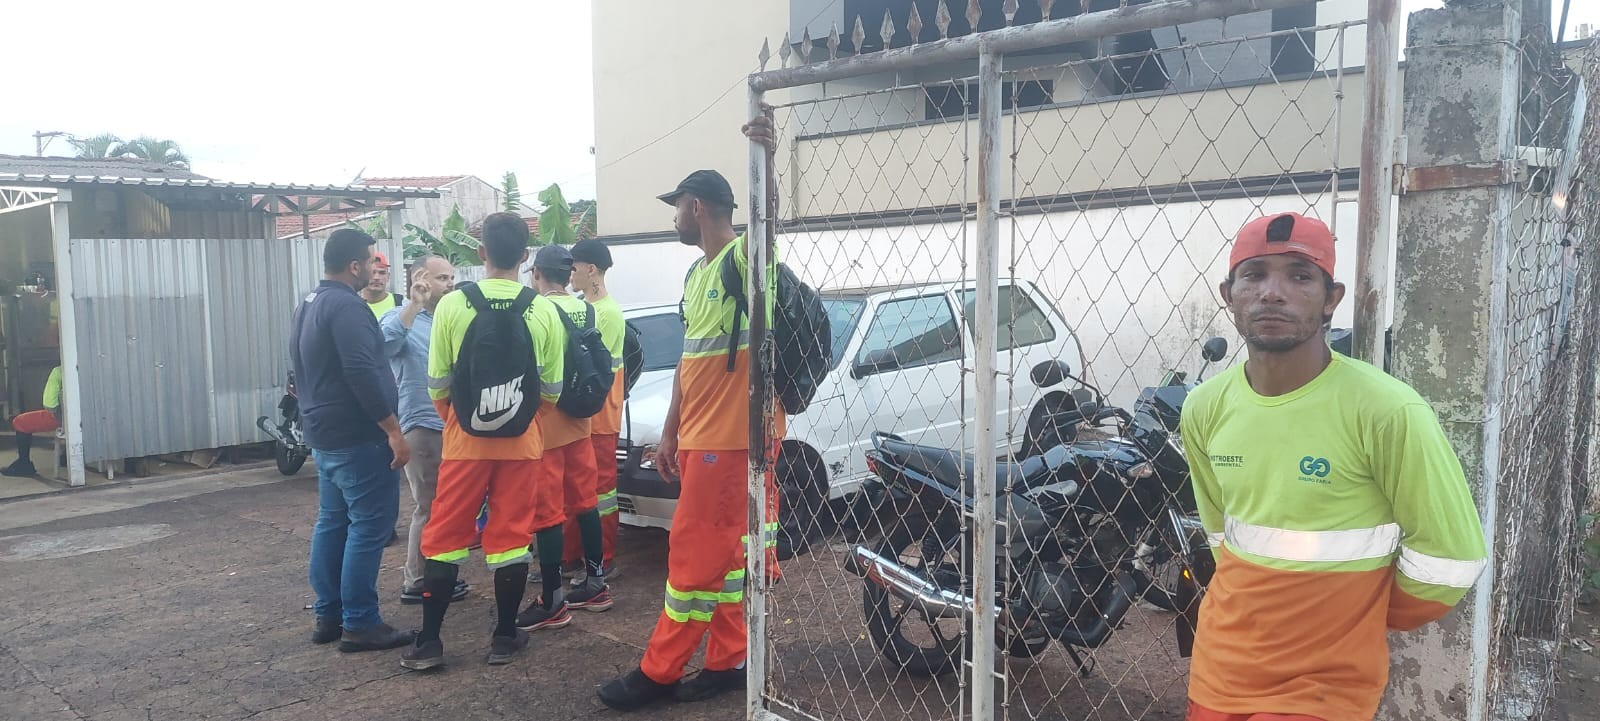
(605, 492)
(36, 422)
(1201, 713)
(516, 504)
(706, 565)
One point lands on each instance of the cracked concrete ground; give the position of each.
(184, 599)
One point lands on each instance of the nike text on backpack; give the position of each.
(494, 384)
(588, 370)
(800, 334)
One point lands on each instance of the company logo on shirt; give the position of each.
(1315, 470)
(711, 294)
(497, 405)
(1220, 461)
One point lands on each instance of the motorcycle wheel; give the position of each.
(924, 647)
(1159, 570)
(289, 459)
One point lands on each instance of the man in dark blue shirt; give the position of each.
(347, 407)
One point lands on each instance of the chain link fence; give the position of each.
(1549, 381)
(1090, 214)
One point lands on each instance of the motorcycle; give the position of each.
(1088, 528)
(289, 442)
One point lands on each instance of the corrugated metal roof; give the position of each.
(274, 188)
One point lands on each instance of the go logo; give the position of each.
(1318, 467)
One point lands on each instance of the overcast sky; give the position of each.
(321, 92)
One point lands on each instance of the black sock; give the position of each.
(509, 583)
(593, 541)
(550, 551)
(438, 584)
(24, 446)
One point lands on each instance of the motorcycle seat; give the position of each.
(955, 470)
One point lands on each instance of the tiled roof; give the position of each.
(420, 181)
(289, 225)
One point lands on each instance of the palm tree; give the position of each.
(144, 147)
(99, 146)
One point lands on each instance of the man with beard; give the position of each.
(377, 294)
(1332, 501)
(347, 406)
(709, 419)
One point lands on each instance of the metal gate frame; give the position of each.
(989, 47)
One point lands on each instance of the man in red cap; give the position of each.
(377, 294)
(1332, 501)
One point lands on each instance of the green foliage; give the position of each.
(586, 226)
(374, 227)
(513, 195)
(99, 146)
(144, 147)
(451, 243)
(555, 221)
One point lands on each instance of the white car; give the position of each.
(898, 360)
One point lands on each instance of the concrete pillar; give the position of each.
(1459, 107)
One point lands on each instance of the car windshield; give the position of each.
(661, 338)
(842, 316)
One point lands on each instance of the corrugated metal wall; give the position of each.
(183, 343)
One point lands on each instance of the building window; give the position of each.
(955, 101)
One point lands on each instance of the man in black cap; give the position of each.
(590, 261)
(709, 419)
(568, 464)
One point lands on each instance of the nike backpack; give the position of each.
(588, 368)
(494, 386)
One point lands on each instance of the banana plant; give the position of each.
(453, 243)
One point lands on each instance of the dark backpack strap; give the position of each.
(686, 276)
(566, 320)
(588, 316)
(398, 299)
(475, 297)
(733, 285)
(524, 299)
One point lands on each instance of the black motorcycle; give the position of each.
(289, 443)
(1087, 529)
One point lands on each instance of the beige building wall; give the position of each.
(656, 65)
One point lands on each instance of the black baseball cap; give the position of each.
(593, 251)
(554, 257)
(707, 185)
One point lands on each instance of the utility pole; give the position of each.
(39, 142)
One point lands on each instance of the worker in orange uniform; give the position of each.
(590, 261)
(496, 356)
(1332, 500)
(705, 445)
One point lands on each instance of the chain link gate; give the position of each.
(982, 206)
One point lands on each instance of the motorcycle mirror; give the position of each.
(1086, 403)
(1050, 373)
(1214, 349)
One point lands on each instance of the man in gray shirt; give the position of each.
(405, 341)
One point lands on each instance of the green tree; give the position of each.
(561, 224)
(144, 147)
(99, 146)
(587, 224)
(513, 195)
(452, 243)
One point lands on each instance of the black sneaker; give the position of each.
(536, 618)
(424, 656)
(633, 691)
(20, 468)
(327, 630)
(414, 598)
(709, 684)
(502, 648)
(594, 596)
(381, 637)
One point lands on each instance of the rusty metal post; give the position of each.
(984, 327)
(757, 252)
(1377, 184)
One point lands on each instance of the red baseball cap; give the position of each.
(1284, 233)
(381, 259)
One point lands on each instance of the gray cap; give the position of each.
(555, 257)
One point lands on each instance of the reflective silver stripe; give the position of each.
(1439, 571)
(1214, 540)
(551, 389)
(714, 343)
(437, 383)
(691, 607)
(607, 503)
(616, 364)
(1313, 546)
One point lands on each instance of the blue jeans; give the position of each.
(358, 500)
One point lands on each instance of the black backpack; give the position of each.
(800, 334)
(495, 383)
(632, 357)
(588, 376)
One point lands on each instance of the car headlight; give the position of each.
(648, 459)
